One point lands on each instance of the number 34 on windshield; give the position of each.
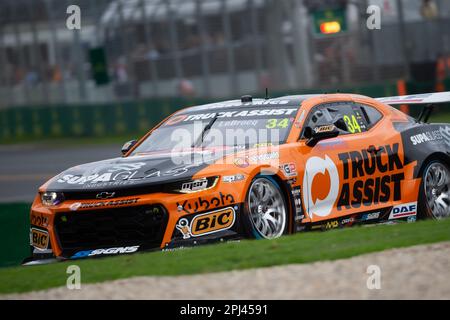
(352, 124)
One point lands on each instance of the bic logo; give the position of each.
(207, 223)
(39, 239)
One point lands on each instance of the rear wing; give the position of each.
(425, 98)
(428, 99)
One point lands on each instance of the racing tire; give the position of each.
(265, 211)
(434, 192)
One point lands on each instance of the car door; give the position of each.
(348, 174)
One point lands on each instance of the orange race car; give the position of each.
(256, 168)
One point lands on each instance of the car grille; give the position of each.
(124, 192)
(108, 228)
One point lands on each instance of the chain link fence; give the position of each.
(128, 50)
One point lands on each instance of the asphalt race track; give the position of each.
(23, 168)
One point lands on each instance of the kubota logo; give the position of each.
(321, 183)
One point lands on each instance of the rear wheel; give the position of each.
(434, 194)
(266, 213)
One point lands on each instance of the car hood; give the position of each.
(132, 171)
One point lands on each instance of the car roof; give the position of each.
(285, 101)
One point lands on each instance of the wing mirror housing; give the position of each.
(319, 133)
(341, 125)
(127, 146)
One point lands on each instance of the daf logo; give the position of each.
(105, 195)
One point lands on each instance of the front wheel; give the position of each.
(434, 194)
(266, 211)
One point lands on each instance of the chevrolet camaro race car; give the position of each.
(250, 168)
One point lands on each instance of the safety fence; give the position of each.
(128, 50)
(118, 119)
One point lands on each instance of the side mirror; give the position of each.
(127, 146)
(340, 124)
(320, 133)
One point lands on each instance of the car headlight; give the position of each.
(190, 186)
(52, 198)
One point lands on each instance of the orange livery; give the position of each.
(250, 168)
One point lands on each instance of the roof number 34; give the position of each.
(275, 123)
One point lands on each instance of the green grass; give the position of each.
(14, 220)
(299, 248)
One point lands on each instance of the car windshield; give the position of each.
(244, 128)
